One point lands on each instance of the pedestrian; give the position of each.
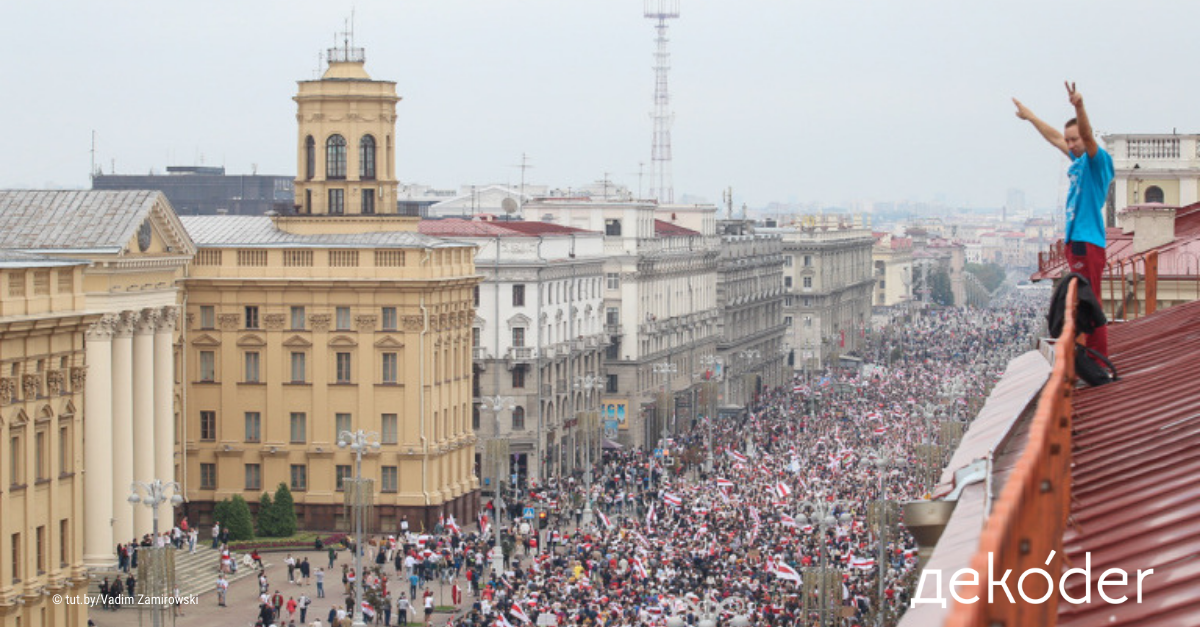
(320, 583)
(303, 603)
(332, 557)
(304, 571)
(222, 588)
(1090, 173)
(291, 568)
(402, 607)
(291, 608)
(216, 534)
(428, 607)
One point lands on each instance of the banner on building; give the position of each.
(615, 413)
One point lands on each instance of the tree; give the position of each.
(990, 275)
(234, 515)
(285, 511)
(268, 517)
(939, 287)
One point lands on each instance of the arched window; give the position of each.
(1154, 193)
(335, 157)
(310, 157)
(518, 418)
(366, 158)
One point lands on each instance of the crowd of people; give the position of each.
(767, 515)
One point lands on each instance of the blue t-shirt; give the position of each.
(1090, 177)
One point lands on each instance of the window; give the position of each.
(787, 320)
(308, 201)
(518, 292)
(787, 301)
(611, 387)
(343, 473)
(251, 316)
(208, 317)
(253, 477)
(64, 540)
(788, 260)
(612, 315)
(808, 322)
(518, 337)
(299, 477)
(343, 318)
(477, 296)
(208, 476)
(299, 427)
(41, 549)
(252, 367)
(808, 261)
(475, 418)
(612, 280)
(366, 158)
(39, 456)
(807, 301)
(1154, 193)
(518, 377)
(16, 557)
(337, 202)
(297, 318)
(389, 319)
(612, 227)
(342, 423)
(390, 367)
(368, 202)
(343, 367)
(335, 157)
(298, 367)
(613, 351)
(253, 426)
(65, 463)
(208, 366)
(476, 334)
(518, 418)
(310, 157)
(389, 427)
(787, 282)
(388, 481)
(808, 282)
(208, 426)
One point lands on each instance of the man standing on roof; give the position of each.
(1090, 172)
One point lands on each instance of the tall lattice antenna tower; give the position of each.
(661, 187)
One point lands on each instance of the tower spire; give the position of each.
(661, 186)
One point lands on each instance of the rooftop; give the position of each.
(103, 221)
(1180, 256)
(457, 227)
(666, 229)
(261, 232)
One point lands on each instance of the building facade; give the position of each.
(43, 319)
(1151, 168)
(893, 270)
(538, 344)
(752, 353)
(201, 190)
(829, 277)
(660, 309)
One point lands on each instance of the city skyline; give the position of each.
(783, 103)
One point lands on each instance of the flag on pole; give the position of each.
(787, 521)
(862, 563)
(520, 614)
(782, 490)
(672, 499)
(738, 456)
(650, 517)
(783, 571)
(604, 519)
(724, 483)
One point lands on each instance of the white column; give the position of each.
(98, 542)
(143, 411)
(122, 426)
(164, 399)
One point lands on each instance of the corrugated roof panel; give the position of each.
(260, 231)
(64, 220)
(1136, 493)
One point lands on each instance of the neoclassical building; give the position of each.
(336, 318)
(87, 398)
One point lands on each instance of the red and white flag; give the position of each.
(650, 516)
(604, 519)
(724, 483)
(738, 456)
(863, 563)
(672, 499)
(783, 571)
(520, 614)
(881, 429)
(639, 570)
(782, 490)
(787, 521)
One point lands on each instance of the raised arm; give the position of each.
(1051, 134)
(1081, 118)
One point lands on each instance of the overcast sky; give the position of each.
(780, 99)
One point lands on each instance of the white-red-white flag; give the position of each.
(782, 490)
(672, 499)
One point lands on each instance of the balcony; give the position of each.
(612, 329)
(519, 355)
(578, 344)
(479, 353)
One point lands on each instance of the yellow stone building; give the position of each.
(338, 318)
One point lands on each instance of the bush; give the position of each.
(285, 512)
(234, 515)
(267, 523)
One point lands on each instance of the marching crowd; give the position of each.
(766, 515)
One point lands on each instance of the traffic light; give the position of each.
(542, 520)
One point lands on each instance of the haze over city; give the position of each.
(784, 101)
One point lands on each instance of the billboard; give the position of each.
(615, 413)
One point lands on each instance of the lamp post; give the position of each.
(668, 369)
(588, 384)
(497, 404)
(358, 441)
(711, 361)
(820, 578)
(883, 514)
(161, 571)
(748, 356)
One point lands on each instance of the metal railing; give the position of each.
(1027, 522)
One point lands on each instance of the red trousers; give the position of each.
(1091, 266)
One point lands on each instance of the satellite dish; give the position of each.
(509, 205)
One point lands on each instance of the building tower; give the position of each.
(661, 187)
(345, 148)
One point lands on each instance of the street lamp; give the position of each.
(883, 514)
(359, 494)
(668, 369)
(497, 404)
(710, 361)
(587, 384)
(157, 574)
(822, 578)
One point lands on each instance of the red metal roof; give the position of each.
(1178, 257)
(666, 229)
(457, 227)
(1136, 492)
